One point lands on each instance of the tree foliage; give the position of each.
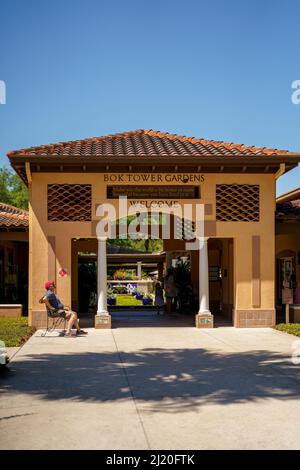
(147, 245)
(12, 189)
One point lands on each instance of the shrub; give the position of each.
(291, 328)
(14, 331)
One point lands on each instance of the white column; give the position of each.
(102, 277)
(139, 269)
(203, 277)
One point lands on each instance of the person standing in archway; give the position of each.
(171, 289)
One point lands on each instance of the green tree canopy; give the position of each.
(12, 189)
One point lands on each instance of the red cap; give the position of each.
(48, 284)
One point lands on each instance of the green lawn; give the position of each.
(15, 331)
(127, 301)
(291, 328)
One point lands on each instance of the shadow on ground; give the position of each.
(173, 380)
(136, 318)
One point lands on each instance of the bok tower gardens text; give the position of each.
(153, 178)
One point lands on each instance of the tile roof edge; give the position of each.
(215, 143)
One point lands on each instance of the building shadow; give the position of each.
(172, 380)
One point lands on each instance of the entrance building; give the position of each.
(227, 190)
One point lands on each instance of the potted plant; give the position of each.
(111, 301)
(119, 289)
(120, 275)
(147, 300)
(111, 297)
(139, 295)
(134, 290)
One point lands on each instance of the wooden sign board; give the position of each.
(287, 296)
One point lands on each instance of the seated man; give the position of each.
(59, 310)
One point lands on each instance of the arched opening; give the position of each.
(148, 259)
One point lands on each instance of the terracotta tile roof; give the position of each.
(288, 205)
(288, 210)
(145, 143)
(290, 196)
(11, 217)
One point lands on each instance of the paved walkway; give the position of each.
(152, 383)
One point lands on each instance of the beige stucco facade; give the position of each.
(249, 247)
(233, 184)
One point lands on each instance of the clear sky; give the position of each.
(218, 69)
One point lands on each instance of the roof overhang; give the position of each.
(148, 164)
(289, 196)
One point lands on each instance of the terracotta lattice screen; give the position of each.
(237, 202)
(70, 202)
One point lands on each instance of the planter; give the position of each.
(147, 301)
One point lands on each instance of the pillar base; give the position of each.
(254, 318)
(102, 321)
(204, 320)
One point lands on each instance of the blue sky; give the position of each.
(215, 69)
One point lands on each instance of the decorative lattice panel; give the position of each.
(69, 202)
(237, 202)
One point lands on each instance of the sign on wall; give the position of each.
(151, 191)
(62, 272)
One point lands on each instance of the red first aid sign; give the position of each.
(62, 272)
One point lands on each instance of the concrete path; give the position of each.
(152, 383)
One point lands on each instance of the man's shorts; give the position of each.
(60, 313)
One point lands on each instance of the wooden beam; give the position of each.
(280, 171)
(28, 172)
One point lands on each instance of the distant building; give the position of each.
(14, 228)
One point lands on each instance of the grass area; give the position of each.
(14, 331)
(291, 328)
(127, 301)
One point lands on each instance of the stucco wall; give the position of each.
(41, 266)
